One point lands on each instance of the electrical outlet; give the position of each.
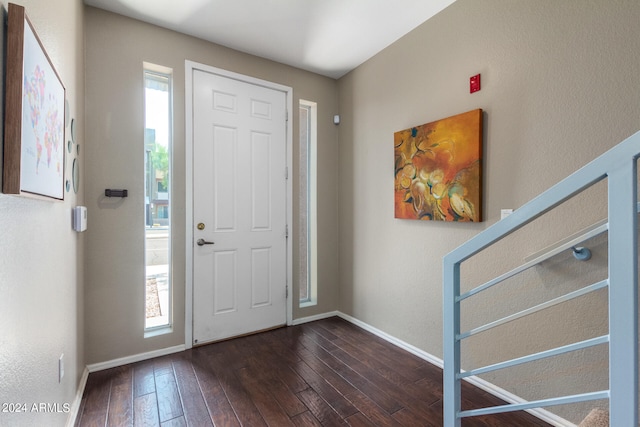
(61, 368)
(505, 213)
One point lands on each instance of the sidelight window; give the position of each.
(157, 200)
(308, 211)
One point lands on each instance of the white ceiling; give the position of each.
(329, 37)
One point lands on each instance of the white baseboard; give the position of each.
(75, 407)
(95, 367)
(499, 392)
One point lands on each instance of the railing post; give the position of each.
(623, 295)
(451, 310)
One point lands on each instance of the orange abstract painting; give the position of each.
(438, 173)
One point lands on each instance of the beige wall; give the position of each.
(41, 257)
(115, 50)
(559, 87)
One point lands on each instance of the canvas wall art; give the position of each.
(34, 114)
(438, 170)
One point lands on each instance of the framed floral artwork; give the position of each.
(438, 170)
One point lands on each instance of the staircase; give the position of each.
(619, 167)
(596, 418)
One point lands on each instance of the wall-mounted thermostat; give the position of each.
(80, 218)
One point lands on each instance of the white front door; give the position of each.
(239, 207)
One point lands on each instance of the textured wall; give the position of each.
(115, 50)
(559, 88)
(41, 257)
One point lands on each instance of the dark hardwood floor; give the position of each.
(324, 373)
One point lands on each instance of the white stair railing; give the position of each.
(619, 166)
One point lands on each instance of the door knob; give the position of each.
(202, 242)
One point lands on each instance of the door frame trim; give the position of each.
(190, 67)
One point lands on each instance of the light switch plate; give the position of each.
(80, 218)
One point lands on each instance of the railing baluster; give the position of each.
(451, 384)
(623, 296)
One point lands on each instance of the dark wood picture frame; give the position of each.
(34, 128)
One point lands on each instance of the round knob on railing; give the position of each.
(580, 253)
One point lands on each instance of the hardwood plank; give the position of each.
(322, 329)
(375, 386)
(388, 373)
(356, 335)
(285, 397)
(223, 366)
(145, 410)
(359, 420)
(328, 374)
(394, 385)
(193, 405)
(306, 419)
(271, 412)
(312, 336)
(176, 422)
(410, 365)
(357, 380)
(407, 418)
(373, 412)
(169, 404)
(405, 364)
(274, 358)
(96, 397)
(163, 365)
(431, 384)
(320, 408)
(121, 399)
(419, 408)
(325, 391)
(221, 411)
(143, 379)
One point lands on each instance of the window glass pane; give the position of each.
(304, 264)
(157, 175)
(308, 200)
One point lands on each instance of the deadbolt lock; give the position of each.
(201, 226)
